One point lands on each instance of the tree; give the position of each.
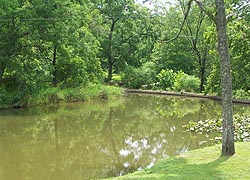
(239, 35)
(226, 82)
(194, 32)
(45, 43)
(176, 54)
(67, 44)
(15, 38)
(228, 147)
(136, 37)
(52, 32)
(114, 12)
(79, 63)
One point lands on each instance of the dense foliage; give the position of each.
(69, 44)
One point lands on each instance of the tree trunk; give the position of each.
(54, 73)
(228, 147)
(2, 68)
(110, 70)
(110, 59)
(110, 51)
(202, 68)
(202, 73)
(194, 38)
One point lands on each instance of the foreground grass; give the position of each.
(202, 164)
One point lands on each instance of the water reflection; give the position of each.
(99, 139)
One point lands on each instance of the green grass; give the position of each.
(201, 164)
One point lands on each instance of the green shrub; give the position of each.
(185, 82)
(48, 95)
(166, 79)
(132, 77)
(140, 77)
(241, 94)
(72, 95)
(4, 97)
(12, 98)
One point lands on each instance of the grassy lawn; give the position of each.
(201, 164)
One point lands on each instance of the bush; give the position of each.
(12, 98)
(144, 76)
(132, 77)
(166, 79)
(4, 98)
(48, 95)
(185, 82)
(241, 94)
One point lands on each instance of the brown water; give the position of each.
(99, 139)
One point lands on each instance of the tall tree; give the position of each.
(15, 36)
(67, 44)
(113, 13)
(52, 31)
(137, 36)
(194, 32)
(228, 147)
(239, 35)
(175, 54)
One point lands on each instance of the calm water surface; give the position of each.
(100, 139)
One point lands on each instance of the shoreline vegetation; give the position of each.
(55, 95)
(200, 164)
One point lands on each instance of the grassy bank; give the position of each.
(201, 164)
(54, 95)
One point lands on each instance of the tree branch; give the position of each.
(201, 6)
(183, 22)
